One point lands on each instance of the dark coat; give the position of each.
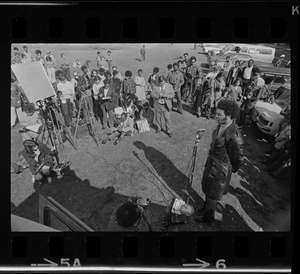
(239, 74)
(225, 156)
(111, 103)
(45, 156)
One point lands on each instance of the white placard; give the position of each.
(34, 80)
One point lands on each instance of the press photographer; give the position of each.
(128, 215)
(39, 158)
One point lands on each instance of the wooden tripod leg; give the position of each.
(78, 116)
(92, 122)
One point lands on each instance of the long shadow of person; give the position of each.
(173, 177)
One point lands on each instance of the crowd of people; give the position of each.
(124, 104)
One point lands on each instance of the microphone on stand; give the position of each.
(200, 133)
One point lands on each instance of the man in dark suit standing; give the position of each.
(163, 95)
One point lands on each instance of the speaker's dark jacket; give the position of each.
(225, 156)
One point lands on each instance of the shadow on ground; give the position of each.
(91, 205)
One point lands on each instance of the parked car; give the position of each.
(205, 67)
(243, 58)
(213, 48)
(267, 116)
(279, 74)
(257, 52)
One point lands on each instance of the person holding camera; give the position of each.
(127, 216)
(224, 158)
(39, 158)
(163, 95)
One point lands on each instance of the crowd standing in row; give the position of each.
(148, 102)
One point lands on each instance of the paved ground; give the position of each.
(153, 166)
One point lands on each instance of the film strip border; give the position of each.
(148, 22)
(214, 250)
(152, 21)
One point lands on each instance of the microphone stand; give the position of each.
(193, 163)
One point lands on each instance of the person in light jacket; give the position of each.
(163, 95)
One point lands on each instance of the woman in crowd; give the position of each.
(50, 65)
(234, 92)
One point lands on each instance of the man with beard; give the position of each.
(224, 158)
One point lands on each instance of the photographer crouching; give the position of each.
(39, 158)
(128, 215)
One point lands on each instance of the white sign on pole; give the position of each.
(34, 80)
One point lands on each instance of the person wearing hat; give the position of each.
(163, 95)
(280, 61)
(176, 79)
(129, 86)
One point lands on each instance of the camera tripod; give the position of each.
(85, 105)
(54, 125)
